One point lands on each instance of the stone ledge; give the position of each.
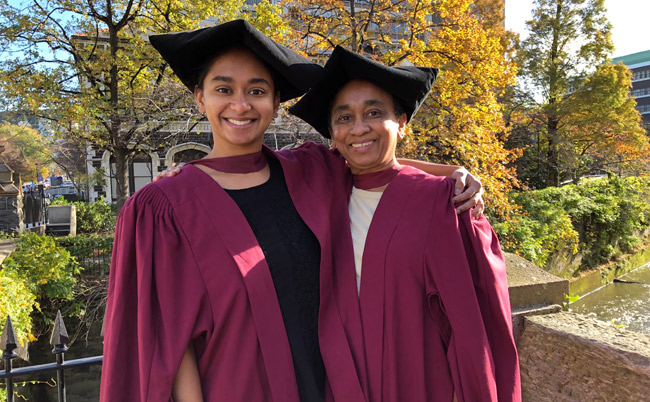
(519, 315)
(569, 357)
(530, 286)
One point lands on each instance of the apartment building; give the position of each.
(639, 64)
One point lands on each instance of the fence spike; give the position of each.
(8, 340)
(59, 333)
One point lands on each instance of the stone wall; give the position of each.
(11, 213)
(11, 201)
(568, 357)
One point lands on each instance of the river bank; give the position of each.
(591, 280)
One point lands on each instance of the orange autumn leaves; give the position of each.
(462, 120)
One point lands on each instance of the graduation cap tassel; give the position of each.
(60, 340)
(9, 343)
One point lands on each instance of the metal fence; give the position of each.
(59, 340)
(92, 252)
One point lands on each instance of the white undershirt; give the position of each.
(362, 207)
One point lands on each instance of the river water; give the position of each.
(621, 304)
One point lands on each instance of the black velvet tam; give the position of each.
(188, 52)
(406, 84)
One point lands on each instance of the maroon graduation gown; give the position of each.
(186, 267)
(433, 301)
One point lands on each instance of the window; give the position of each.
(641, 75)
(643, 109)
(641, 93)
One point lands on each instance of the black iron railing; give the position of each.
(59, 340)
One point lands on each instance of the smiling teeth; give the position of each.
(361, 145)
(239, 122)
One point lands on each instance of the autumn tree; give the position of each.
(461, 121)
(25, 150)
(602, 128)
(561, 64)
(87, 68)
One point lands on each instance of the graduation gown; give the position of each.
(433, 301)
(187, 268)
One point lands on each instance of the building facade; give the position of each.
(639, 64)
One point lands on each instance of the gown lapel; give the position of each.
(371, 295)
(318, 205)
(225, 215)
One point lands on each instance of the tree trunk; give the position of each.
(121, 177)
(552, 162)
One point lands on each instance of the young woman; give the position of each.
(245, 241)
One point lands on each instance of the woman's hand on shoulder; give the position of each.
(171, 171)
(468, 192)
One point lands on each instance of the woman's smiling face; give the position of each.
(364, 126)
(239, 99)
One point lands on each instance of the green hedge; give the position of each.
(600, 219)
(98, 216)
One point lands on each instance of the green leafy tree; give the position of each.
(570, 115)
(87, 68)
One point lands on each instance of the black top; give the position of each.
(293, 255)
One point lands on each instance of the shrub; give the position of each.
(91, 251)
(46, 269)
(98, 216)
(541, 230)
(37, 271)
(601, 219)
(17, 301)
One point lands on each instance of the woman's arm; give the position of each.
(469, 189)
(468, 186)
(187, 384)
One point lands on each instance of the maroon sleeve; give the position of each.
(489, 274)
(454, 305)
(154, 298)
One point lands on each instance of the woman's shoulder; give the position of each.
(435, 183)
(164, 194)
(149, 197)
(313, 157)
